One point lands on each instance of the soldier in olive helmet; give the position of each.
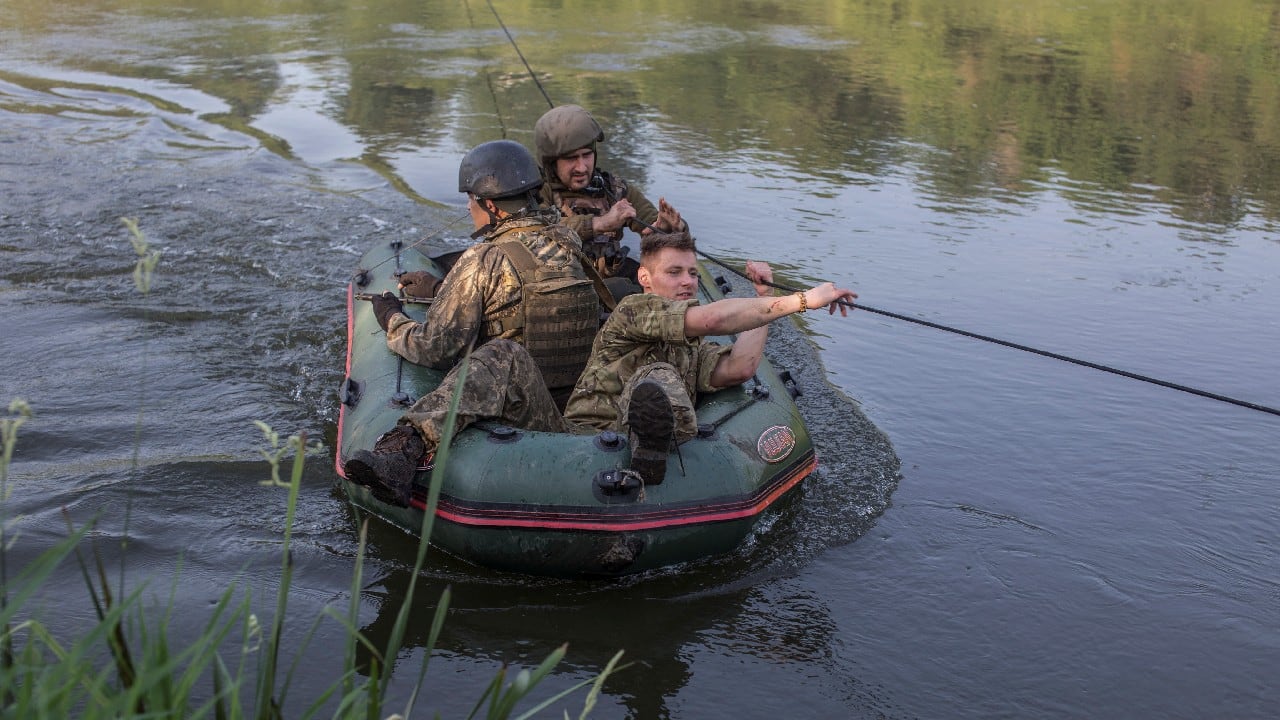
(521, 299)
(596, 204)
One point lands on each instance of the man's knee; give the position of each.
(498, 349)
(666, 376)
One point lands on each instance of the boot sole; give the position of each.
(651, 419)
(362, 473)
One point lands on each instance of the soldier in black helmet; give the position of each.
(596, 204)
(521, 298)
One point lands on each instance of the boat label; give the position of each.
(776, 443)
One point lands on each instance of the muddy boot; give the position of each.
(388, 471)
(652, 424)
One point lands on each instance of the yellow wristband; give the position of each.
(804, 303)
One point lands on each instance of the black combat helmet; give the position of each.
(563, 129)
(498, 169)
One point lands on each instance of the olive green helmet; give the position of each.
(561, 130)
(498, 169)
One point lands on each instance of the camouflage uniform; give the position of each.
(481, 288)
(579, 206)
(644, 338)
(502, 383)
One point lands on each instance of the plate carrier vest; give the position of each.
(558, 317)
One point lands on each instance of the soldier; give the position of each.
(595, 204)
(649, 361)
(646, 367)
(521, 297)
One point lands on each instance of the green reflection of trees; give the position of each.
(1178, 94)
(981, 97)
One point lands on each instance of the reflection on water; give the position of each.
(660, 623)
(1101, 92)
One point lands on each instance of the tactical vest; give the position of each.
(558, 315)
(605, 249)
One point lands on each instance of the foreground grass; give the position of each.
(131, 664)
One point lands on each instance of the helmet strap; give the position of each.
(487, 228)
(490, 208)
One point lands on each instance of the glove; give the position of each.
(419, 284)
(384, 306)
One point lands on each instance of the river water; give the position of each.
(991, 533)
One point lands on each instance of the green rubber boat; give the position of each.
(554, 504)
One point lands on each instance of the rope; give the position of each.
(434, 234)
(488, 79)
(1016, 346)
(517, 47)
(918, 321)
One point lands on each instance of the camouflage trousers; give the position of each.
(502, 384)
(669, 379)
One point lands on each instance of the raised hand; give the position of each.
(761, 275)
(668, 217)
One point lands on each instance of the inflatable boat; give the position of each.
(555, 504)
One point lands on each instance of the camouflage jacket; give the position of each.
(643, 329)
(480, 288)
(579, 206)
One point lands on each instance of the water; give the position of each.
(991, 533)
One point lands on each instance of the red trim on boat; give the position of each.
(635, 517)
(342, 408)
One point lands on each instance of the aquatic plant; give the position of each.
(130, 664)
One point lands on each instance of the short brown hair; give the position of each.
(653, 242)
